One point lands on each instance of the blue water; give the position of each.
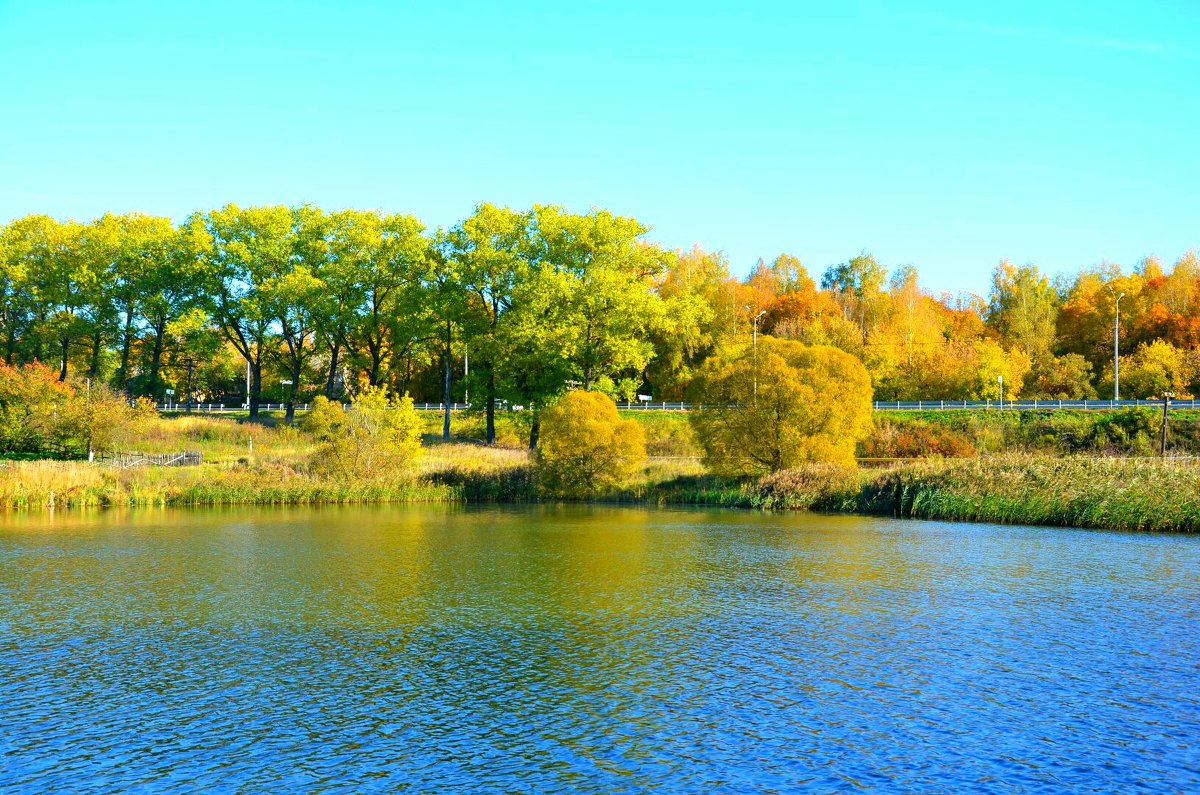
(592, 650)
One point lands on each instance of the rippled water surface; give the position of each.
(601, 650)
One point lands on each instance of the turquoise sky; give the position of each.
(1058, 133)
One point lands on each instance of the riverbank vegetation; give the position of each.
(523, 311)
(1119, 494)
(1111, 493)
(1025, 475)
(511, 307)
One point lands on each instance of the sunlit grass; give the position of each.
(1117, 493)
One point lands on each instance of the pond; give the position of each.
(446, 649)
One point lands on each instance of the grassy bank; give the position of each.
(1127, 432)
(264, 464)
(1109, 493)
(448, 473)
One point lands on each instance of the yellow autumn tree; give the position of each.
(780, 406)
(1155, 368)
(585, 449)
(377, 435)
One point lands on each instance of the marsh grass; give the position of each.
(1112, 493)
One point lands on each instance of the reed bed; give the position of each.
(1111, 493)
(1107, 493)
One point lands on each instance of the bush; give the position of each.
(41, 416)
(585, 448)
(377, 435)
(785, 405)
(917, 439)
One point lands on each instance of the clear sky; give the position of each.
(1056, 133)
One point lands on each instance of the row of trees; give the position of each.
(519, 305)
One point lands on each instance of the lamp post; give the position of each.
(1116, 348)
(1000, 378)
(754, 352)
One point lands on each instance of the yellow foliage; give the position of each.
(994, 362)
(784, 405)
(1154, 368)
(376, 435)
(585, 448)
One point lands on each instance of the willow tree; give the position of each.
(779, 405)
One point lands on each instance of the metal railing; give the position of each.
(1025, 405)
(126, 460)
(220, 408)
(658, 405)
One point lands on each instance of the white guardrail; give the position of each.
(878, 405)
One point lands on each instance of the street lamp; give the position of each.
(1116, 348)
(1000, 378)
(756, 317)
(754, 351)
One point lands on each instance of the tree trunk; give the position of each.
(376, 361)
(155, 382)
(255, 388)
(446, 387)
(66, 347)
(491, 406)
(126, 350)
(535, 429)
(331, 379)
(97, 349)
(297, 360)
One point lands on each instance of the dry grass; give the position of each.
(220, 439)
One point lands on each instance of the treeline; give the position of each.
(517, 305)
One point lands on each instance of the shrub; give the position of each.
(41, 416)
(377, 435)
(917, 439)
(585, 448)
(785, 405)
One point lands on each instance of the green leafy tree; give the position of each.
(488, 250)
(374, 274)
(247, 247)
(19, 304)
(596, 283)
(294, 295)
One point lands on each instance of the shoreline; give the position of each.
(1097, 493)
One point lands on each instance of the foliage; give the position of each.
(43, 416)
(1157, 367)
(586, 449)
(540, 300)
(916, 439)
(779, 405)
(375, 434)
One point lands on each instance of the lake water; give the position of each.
(439, 649)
